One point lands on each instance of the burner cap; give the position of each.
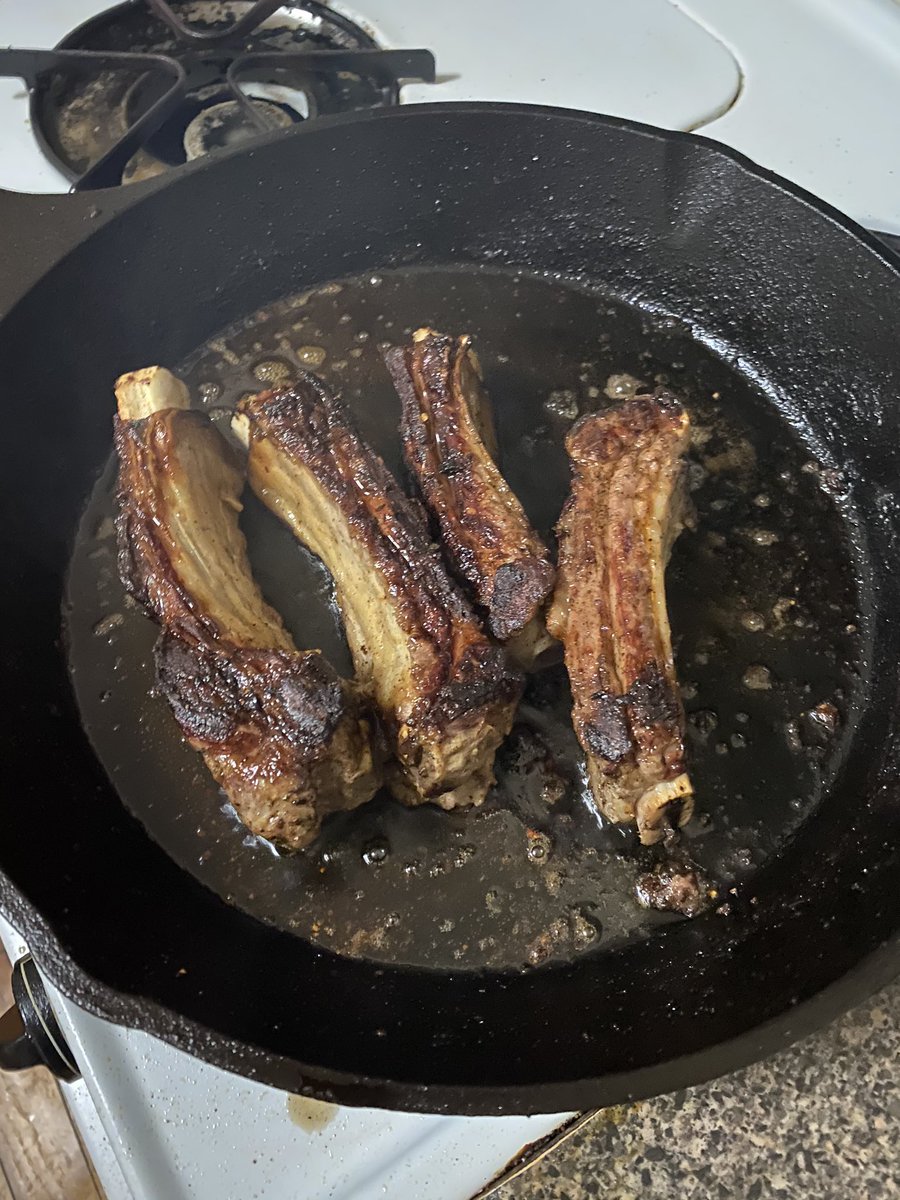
(227, 124)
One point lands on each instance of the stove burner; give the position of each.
(226, 124)
(151, 84)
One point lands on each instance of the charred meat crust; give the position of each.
(277, 730)
(280, 732)
(445, 693)
(674, 887)
(214, 691)
(624, 510)
(449, 445)
(650, 701)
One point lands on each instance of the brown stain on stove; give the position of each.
(311, 1115)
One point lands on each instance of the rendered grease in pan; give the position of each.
(761, 592)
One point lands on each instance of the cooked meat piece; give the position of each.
(626, 508)
(450, 447)
(280, 732)
(674, 887)
(445, 693)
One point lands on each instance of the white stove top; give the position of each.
(160, 1125)
(808, 88)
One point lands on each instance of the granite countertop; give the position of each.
(819, 1121)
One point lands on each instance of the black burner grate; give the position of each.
(148, 85)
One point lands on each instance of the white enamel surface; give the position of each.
(820, 102)
(642, 59)
(160, 1124)
(576, 54)
(81, 1105)
(808, 88)
(34, 25)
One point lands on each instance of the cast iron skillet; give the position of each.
(799, 301)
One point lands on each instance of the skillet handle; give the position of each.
(38, 230)
(29, 1033)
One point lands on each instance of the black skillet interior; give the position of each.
(690, 264)
(768, 644)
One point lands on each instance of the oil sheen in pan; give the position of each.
(762, 604)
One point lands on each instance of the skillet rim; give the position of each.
(77, 223)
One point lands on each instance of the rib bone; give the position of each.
(450, 447)
(626, 507)
(281, 733)
(445, 693)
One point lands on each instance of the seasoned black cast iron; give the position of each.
(797, 306)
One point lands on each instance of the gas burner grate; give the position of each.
(149, 85)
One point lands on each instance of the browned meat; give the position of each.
(625, 509)
(444, 691)
(450, 447)
(280, 732)
(675, 887)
